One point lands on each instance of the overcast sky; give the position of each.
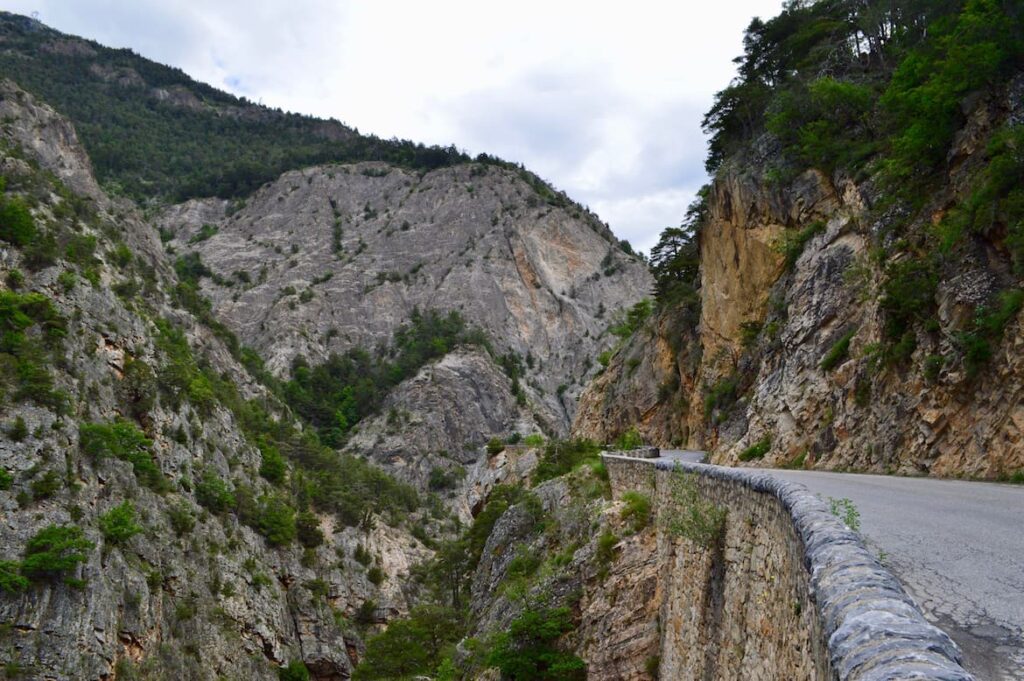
(602, 99)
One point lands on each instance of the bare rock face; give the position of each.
(336, 257)
(49, 137)
(646, 386)
(461, 400)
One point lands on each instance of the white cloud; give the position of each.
(602, 99)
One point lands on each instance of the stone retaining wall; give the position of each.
(786, 591)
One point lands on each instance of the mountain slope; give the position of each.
(150, 522)
(154, 132)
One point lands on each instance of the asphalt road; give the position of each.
(957, 547)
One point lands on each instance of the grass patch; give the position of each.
(636, 511)
(757, 450)
(838, 352)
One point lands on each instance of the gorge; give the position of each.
(281, 400)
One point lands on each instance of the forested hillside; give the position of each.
(152, 132)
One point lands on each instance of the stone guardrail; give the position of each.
(873, 630)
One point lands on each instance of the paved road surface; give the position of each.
(958, 548)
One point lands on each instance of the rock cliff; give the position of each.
(337, 257)
(796, 304)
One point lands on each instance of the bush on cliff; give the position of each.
(529, 649)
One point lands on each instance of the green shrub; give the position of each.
(181, 518)
(118, 524)
(629, 439)
(845, 510)
(367, 612)
(122, 440)
(46, 486)
(272, 465)
(16, 224)
(605, 552)
(294, 671)
(636, 509)
(361, 555)
(749, 333)
(908, 296)
(213, 493)
(67, 280)
(55, 551)
(11, 579)
(652, 665)
(138, 388)
(967, 51)
(524, 564)
(376, 576)
(987, 329)
(24, 360)
(307, 528)
(797, 462)
(17, 431)
(81, 250)
(792, 243)
(534, 440)
(562, 456)
(634, 319)
(442, 479)
(276, 521)
(529, 650)
(495, 446)
(825, 125)
(757, 450)
(15, 279)
(933, 367)
(838, 352)
(6, 479)
(412, 646)
(721, 396)
(204, 233)
(121, 256)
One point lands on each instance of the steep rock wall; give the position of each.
(792, 272)
(337, 257)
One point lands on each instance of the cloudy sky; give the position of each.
(602, 99)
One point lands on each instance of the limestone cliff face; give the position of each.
(766, 325)
(647, 385)
(335, 257)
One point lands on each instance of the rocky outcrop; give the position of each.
(459, 402)
(647, 386)
(50, 139)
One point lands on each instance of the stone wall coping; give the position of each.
(874, 630)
